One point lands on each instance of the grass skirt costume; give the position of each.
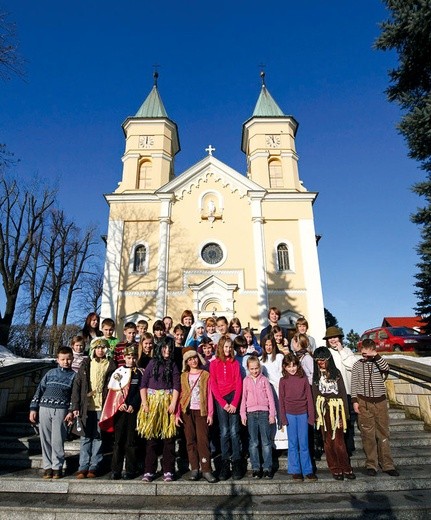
(157, 423)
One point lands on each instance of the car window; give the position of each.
(383, 334)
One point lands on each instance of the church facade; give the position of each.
(212, 239)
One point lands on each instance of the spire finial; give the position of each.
(262, 73)
(155, 74)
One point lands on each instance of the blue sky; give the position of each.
(89, 65)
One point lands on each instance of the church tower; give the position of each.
(268, 140)
(151, 145)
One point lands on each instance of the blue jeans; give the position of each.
(91, 455)
(258, 424)
(298, 456)
(229, 434)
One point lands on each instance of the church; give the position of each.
(212, 239)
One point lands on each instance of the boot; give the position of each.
(237, 470)
(225, 470)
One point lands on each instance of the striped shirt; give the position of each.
(368, 379)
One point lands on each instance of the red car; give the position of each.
(398, 339)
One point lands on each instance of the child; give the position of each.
(141, 329)
(88, 395)
(210, 330)
(90, 330)
(235, 326)
(301, 348)
(119, 415)
(223, 327)
(297, 412)
(196, 407)
(51, 402)
(160, 387)
(145, 350)
(187, 320)
(178, 346)
(78, 345)
(206, 349)
(271, 361)
(129, 341)
(301, 327)
(274, 314)
(159, 335)
(196, 333)
(226, 386)
(280, 341)
(330, 397)
(369, 402)
(167, 320)
(253, 346)
(257, 413)
(240, 347)
(108, 329)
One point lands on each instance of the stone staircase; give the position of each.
(24, 494)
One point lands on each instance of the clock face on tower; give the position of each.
(272, 140)
(146, 141)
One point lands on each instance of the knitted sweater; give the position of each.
(54, 390)
(368, 379)
(257, 396)
(295, 398)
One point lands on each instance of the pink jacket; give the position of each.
(226, 378)
(257, 396)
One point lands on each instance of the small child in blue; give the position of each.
(51, 402)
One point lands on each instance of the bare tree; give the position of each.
(10, 59)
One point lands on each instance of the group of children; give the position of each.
(211, 387)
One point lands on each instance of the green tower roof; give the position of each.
(266, 106)
(153, 106)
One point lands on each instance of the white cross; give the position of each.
(210, 150)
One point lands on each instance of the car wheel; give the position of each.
(397, 348)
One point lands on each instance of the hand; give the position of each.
(356, 407)
(69, 418)
(209, 420)
(226, 407)
(144, 407)
(75, 413)
(33, 417)
(232, 409)
(244, 422)
(272, 420)
(171, 408)
(178, 421)
(122, 408)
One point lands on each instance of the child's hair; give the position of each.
(146, 335)
(234, 321)
(276, 329)
(248, 330)
(159, 360)
(167, 318)
(238, 342)
(276, 310)
(368, 344)
(205, 341)
(289, 359)
(269, 337)
(323, 353)
(187, 314)
(252, 359)
(210, 321)
(159, 325)
(109, 322)
(64, 350)
(301, 321)
(87, 328)
(142, 322)
(76, 339)
(220, 346)
(178, 327)
(303, 341)
(223, 319)
(129, 325)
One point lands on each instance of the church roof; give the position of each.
(153, 106)
(266, 105)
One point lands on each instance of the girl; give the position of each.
(235, 326)
(274, 314)
(145, 350)
(91, 329)
(78, 345)
(160, 338)
(187, 320)
(280, 340)
(196, 407)
(253, 346)
(196, 333)
(211, 329)
(178, 345)
(160, 388)
(330, 398)
(271, 361)
(206, 349)
(297, 412)
(302, 328)
(226, 386)
(258, 413)
(301, 348)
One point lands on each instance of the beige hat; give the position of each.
(190, 352)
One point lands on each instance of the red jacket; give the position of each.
(226, 378)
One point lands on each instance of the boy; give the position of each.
(302, 328)
(51, 402)
(168, 321)
(141, 329)
(88, 395)
(369, 402)
(78, 345)
(120, 412)
(240, 347)
(108, 328)
(130, 340)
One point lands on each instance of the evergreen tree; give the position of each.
(408, 32)
(330, 319)
(352, 339)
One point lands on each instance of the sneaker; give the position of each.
(57, 473)
(371, 472)
(311, 477)
(350, 476)
(392, 473)
(47, 474)
(297, 477)
(267, 475)
(148, 477)
(168, 477)
(81, 474)
(256, 474)
(209, 477)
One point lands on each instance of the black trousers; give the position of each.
(125, 442)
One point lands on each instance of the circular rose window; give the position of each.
(212, 253)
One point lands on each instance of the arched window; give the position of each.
(145, 173)
(140, 259)
(275, 174)
(283, 257)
